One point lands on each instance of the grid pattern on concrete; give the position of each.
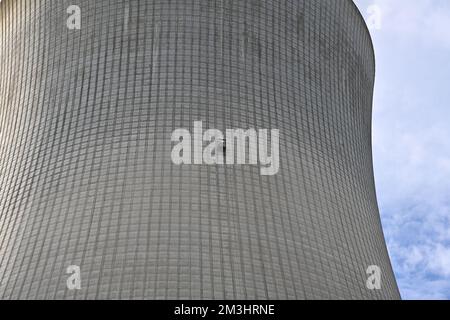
(85, 171)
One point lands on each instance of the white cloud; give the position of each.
(421, 21)
(412, 141)
(440, 262)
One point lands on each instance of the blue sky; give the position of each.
(411, 137)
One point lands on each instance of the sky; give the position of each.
(411, 139)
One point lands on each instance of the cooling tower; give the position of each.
(89, 99)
